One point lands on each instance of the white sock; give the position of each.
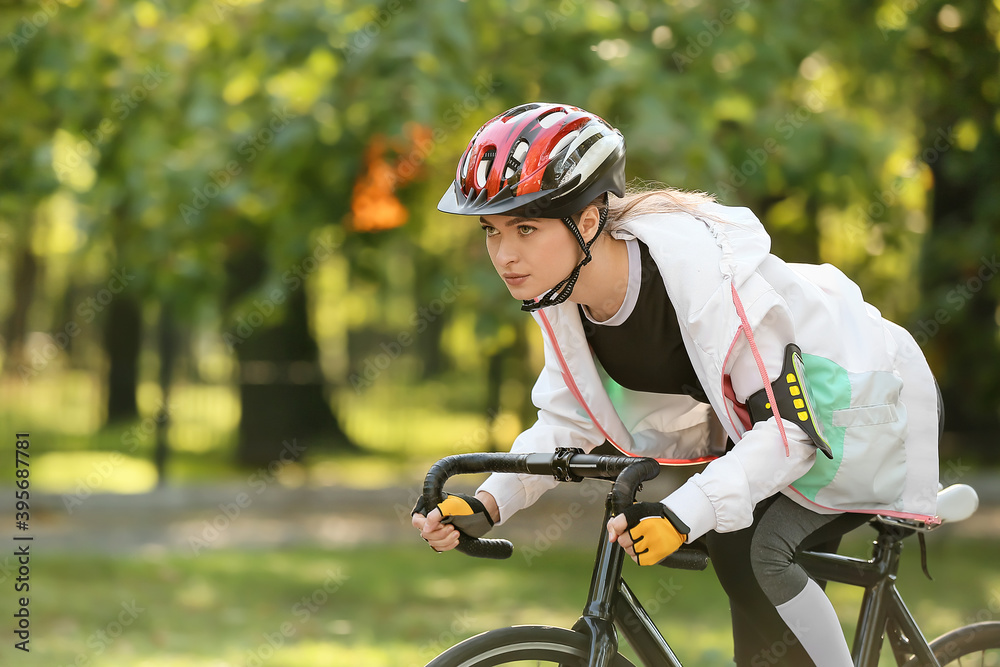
(811, 617)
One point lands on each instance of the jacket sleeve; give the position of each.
(562, 422)
(723, 496)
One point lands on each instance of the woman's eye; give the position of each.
(490, 231)
(525, 229)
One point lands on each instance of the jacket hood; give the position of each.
(740, 236)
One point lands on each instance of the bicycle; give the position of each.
(610, 604)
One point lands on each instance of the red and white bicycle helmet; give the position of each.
(537, 160)
(540, 161)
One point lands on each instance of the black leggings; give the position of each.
(755, 568)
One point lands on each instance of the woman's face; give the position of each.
(532, 255)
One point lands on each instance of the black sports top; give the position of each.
(640, 346)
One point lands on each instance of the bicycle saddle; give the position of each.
(956, 503)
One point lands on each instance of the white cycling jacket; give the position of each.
(738, 307)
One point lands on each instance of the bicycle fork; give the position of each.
(609, 602)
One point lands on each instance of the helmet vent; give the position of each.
(465, 166)
(483, 170)
(563, 144)
(516, 159)
(517, 111)
(551, 118)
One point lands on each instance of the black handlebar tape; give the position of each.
(483, 548)
(624, 490)
(464, 464)
(468, 464)
(686, 559)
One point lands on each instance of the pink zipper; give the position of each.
(748, 332)
(575, 390)
(932, 520)
(570, 382)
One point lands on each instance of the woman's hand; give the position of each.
(441, 536)
(618, 532)
(444, 536)
(657, 530)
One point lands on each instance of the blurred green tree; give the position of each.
(214, 153)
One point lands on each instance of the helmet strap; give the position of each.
(562, 291)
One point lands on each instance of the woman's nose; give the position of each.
(505, 253)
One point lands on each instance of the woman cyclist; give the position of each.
(670, 331)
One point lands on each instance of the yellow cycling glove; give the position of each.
(464, 512)
(656, 532)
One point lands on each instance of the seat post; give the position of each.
(874, 605)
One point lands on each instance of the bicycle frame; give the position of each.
(610, 603)
(882, 607)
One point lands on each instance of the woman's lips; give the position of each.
(514, 279)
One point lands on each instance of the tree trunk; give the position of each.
(960, 334)
(122, 341)
(494, 382)
(25, 277)
(284, 409)
(167, 347)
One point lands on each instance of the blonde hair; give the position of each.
(647, 197)
(650, 197)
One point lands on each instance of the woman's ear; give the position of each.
(590, 218)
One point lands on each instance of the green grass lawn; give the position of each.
(393, 606)
(396, 606)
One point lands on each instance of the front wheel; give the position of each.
(976, 644)
(522, 645)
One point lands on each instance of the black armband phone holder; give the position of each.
(792, 395)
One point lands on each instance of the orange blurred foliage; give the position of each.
(374, 206)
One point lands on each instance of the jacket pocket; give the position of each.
(873, 470)
(866, 425)
(868, 415)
